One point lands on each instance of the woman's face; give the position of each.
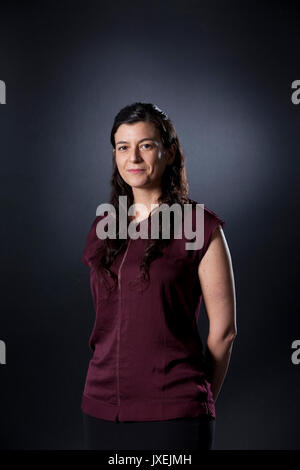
(138, 146)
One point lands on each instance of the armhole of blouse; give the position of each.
(85, 257)
(215, 222)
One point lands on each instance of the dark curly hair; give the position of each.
(174, 188)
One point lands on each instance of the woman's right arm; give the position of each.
(217, 285)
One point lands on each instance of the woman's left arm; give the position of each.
(217, 285)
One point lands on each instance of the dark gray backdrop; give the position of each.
(223, 73)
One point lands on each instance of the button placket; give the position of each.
(119, 323)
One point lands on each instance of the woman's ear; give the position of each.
(171, 154)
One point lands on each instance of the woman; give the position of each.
(149, 384)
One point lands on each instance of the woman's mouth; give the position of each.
(136, 171)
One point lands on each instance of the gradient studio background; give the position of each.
(223, 72)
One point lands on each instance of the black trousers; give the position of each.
(172, 434)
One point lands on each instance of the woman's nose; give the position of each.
(135, 154)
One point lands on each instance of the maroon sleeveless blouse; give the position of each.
(148, 362)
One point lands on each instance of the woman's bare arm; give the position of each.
(217, 284)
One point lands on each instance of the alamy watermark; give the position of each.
(156, 209)
(296, 94)
(296, 354)
(2, 352)
(2, 343)
(2, 92)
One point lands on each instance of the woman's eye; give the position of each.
(147, 146)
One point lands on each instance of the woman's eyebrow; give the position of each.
(145, 138)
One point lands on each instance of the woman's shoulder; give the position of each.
(92, 240)
(210, 216)
(211, 220)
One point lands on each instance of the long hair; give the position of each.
(174, 189)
